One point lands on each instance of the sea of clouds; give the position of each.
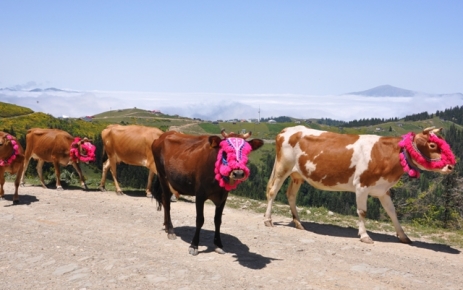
(214, 106)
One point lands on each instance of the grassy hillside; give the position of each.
(137, 116)
(10, 110)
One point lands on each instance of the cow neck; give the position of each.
(15, 146)
(237, 150)
(411, 154)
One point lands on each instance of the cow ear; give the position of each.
(256, 143)
(214, 141)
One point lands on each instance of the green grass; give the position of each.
(453, 238)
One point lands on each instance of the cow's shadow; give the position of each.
(231, 245)
(23, 199)
(350, 232)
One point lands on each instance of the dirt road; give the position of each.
(74, 239)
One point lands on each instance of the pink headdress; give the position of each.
(237, 151)
(15, 146)
(409, 149)
(88, 147)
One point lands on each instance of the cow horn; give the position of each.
(225, 135)
(438, 130)
(247, 135)
(427, 130)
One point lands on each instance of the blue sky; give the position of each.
(238, 47)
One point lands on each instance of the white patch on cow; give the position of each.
(362, 152)
(144, 162)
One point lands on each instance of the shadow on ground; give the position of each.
(23, 199)
(337, 231)
(230, 245)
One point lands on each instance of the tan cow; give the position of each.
(60, 148)
(131, 145)
(364, 164)
(11, 161)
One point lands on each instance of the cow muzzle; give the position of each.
(447, 169)
(238, 175)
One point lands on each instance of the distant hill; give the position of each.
(385, 91)
(9, 110)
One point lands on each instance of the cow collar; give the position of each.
(75, 152)
(237, 150)
(15, 153)
(410, 153)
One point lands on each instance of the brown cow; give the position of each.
(364, 164)
(58, 147)
(131, 145)
(207, 167)
(11, 161)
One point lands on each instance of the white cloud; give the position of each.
(229, 106)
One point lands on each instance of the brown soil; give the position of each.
(74, 239)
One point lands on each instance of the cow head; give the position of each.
(9, 149)
(230, 167)
(426, 151)
(82, 150)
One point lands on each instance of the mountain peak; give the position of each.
(385, 91)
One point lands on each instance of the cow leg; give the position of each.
(388, 206)
(40, 172)
(81, 175)
(58, 175)
(150, 180)
(361, 198)
(274, 184)
(291, 194)
(113, 168)
(193, 250)
(103, 175)
(17, 181)
(218, 223)
(26, 164)
(2, 182)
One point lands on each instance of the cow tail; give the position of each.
(157, 192)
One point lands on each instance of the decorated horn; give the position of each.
(225, 135)
(438, 130)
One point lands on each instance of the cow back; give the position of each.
(45, 143)
(130, 144)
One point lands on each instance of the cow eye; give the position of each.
(432, 146)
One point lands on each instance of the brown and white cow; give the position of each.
(11, 161)
(60, 148)
(364, 164)
(207, 167)
(131, 145)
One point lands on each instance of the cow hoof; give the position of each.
(405, 240)
(219, 250)
(171, 236)
(149, 195)
(119, 193)
(298, 225)
(15, 201)
(173, 198)
(193, 251)
(102, 189)
(59, 188)
(268, 223)
(367, 240)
